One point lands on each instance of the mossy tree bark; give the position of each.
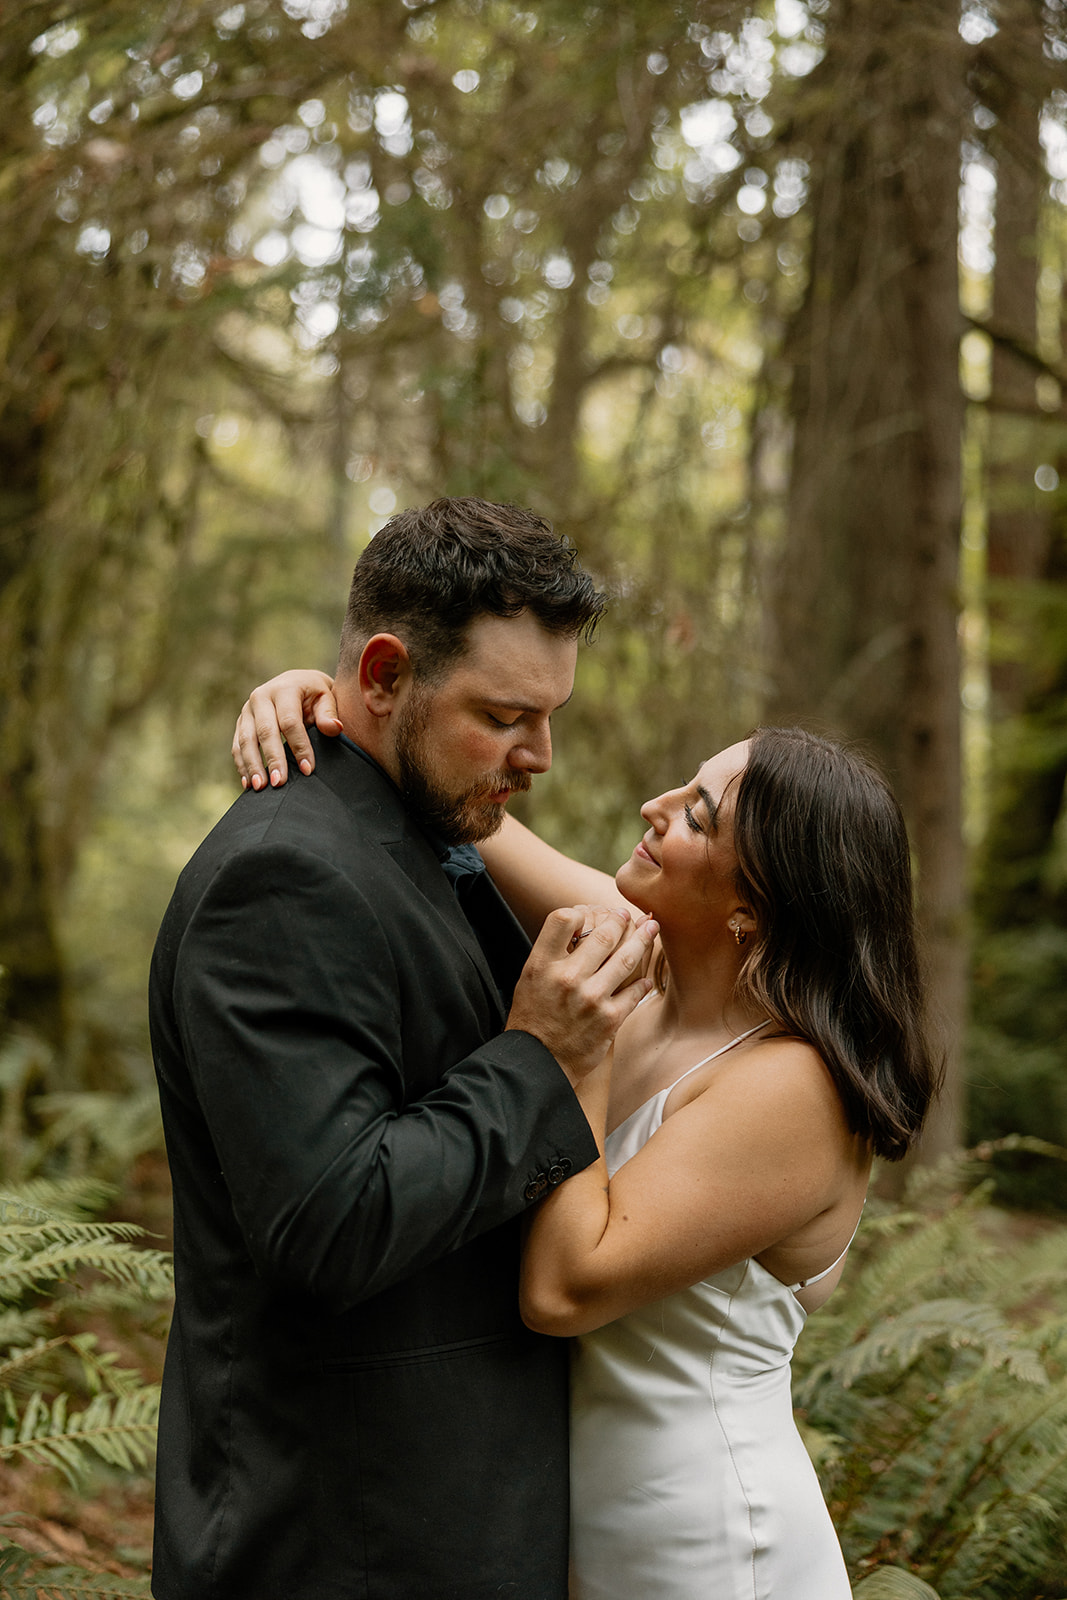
(864, 595)
(1026, 540)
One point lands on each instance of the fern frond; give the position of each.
(893, 1583)
(21, 1325)
(147, 1302)
(101, 1368)
(896, 1342)
(36, 1261)
(26, 1576)
(938, 1375)
(77, 1199)
(119, 1127)
(55, 1231)
(17, 1362)
(119, 1429)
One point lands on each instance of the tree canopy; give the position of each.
(683, 278)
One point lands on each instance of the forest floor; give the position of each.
(105, 1528)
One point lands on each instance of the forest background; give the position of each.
(763, 305)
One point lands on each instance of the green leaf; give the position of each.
(893, 1583)
(26, 1576)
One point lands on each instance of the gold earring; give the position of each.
(739, 933)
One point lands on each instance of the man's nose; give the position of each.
(533, 753)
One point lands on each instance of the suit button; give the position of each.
(536, 1187)
(557, 1173)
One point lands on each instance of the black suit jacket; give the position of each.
(352, 1409)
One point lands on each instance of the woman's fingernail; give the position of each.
(257, 781)
(275, 777)
(305, 767)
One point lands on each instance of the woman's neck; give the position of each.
(701, 992)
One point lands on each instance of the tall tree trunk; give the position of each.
(1017, 526)
(31, 982)
(864, 595)
(1022, 546)
(31, 979)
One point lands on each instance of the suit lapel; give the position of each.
(415, 858)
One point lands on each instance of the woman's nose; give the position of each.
(655, 811)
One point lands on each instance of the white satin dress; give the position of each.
(689, 1480)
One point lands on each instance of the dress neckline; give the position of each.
(661, 1094)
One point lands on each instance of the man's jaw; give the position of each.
(476, 814)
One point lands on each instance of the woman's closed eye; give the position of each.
(691, 819)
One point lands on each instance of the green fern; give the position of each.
(24, 1576)
(76, 1199)
(933, 1394)
(103, 1133)
(65, 1403)
(41, 1250)
(893, 1583)
(119, 1429)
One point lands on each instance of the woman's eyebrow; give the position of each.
(712, 805)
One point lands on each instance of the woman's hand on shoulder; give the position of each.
(274, 715)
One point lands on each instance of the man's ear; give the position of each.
(384, 669)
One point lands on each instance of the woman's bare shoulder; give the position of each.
(781, 1076)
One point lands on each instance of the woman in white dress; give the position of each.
(739, 1111)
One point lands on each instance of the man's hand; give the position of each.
(584, 976)
(281, 708)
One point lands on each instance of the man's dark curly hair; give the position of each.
(431, 570)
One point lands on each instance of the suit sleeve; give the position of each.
(340, 1189)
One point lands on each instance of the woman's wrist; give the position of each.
(593, 1093)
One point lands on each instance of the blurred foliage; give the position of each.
(284, 266)
(271, 269)
(892, 1583)
(69, 1403)
(74, 1134)
(25, 1576)
(84, 1300)
(933, 1393)
(268, 270)
(1017, 1057)
(1017, 1045)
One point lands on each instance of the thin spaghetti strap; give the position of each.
(721, 1051)
(806, 1283)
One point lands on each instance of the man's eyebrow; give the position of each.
(516, 704)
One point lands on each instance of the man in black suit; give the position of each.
(356, 1120)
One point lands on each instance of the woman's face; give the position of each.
(683, 872)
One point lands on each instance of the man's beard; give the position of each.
(456, 818)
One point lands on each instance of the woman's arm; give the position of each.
(761, 1155)
(535, 878)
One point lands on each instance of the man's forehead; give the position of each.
(494, 643)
